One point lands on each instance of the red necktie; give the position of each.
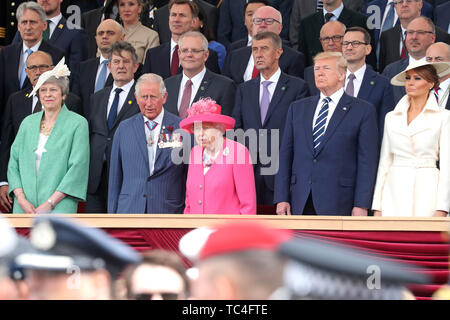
(255, 72)
(404, 53)
(175, 62)
(185, 100)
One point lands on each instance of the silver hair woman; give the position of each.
(49, 162)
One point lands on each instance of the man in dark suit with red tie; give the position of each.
(163, 59)
(19, 106)
(240, 67)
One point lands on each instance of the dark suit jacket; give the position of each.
(157, 60)
(341, 173)
(161, 21)
(89, 22)
(392, 70)
(18, 107)
(441, 16)
(231, 22)
(9, 66)
(131, 188)
(309, 32)
(215, 86)
(427, 11)
(291, 62)
(390, 44)
(248, 116)
(100, 137)
(71, 41)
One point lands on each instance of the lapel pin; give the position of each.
(372, 83)
(27, 95)
(60, 26)
(130, 102)
(202, 88)
(283, 88)
(344, 108)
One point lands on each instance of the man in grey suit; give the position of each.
(196, 81)
(109, 107)
(143, 178)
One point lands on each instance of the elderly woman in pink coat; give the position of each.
(220, 177)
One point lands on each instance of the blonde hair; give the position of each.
(340, 60)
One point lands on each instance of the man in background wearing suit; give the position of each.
(392, 46)
(309, 32)
(93, 75)
(331, 36)
(196, 82)
(161, 22)
(31, 24)
(19, 106)
(240, 66)
(163, 59)
(361, 81)
(143, 178)
(231, 22)
(440, 52)
(329, 151)
(262, 104)
(420, 34)
(109, 107)
(441, 16)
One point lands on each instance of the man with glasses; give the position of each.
(309, 32)
(240, 66)
(392, 41)
(19, 106)
(93, 75)
(331, 36)
(109, 107)
(196, 81)
(31, 24)
(161, 275)
(420, 34)
(361, 81)
(440, 52)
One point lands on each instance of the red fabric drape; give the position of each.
(427, 250)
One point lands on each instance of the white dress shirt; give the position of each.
(335, 97)
(249, 70)
(153, 137)
(249, 40)
(196, 82)
(359, 75)
(336, 12)
(274, 78)
(122, 96)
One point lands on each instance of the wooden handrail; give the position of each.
(340, 223)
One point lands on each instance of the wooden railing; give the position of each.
(340, 223)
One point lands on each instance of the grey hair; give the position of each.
(30, 5)
(62, 83)
(197, 35)
(120, 46)
(153, 78)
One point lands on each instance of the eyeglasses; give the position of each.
(149, 296)
(193, 51)
(334, 38)
(355, 44)
(268, 21)
(419, 32)
(403, 1)
(41, 67)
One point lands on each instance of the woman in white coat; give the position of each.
(414, 170)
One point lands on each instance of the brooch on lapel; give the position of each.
(60, 26)
(130, 102)
(169, 139)
(283, 88)
(372, 83)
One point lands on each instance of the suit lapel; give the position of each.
(308, 121)
(104, 109)
(368, 83)
(448, 104)
(162, 153)
(171, 104)
(243, 61)
(202, 91)
(129, 101)
(139, 132)
(254, 102)
(339, 113)
(280, 89)
(58, 30)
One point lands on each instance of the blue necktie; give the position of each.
(23, 74)
(101, 77)
(388, 24)
(113, 111)
(319, 126)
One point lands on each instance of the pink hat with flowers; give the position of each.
(205, 110)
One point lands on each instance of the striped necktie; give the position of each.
(319, 125)
(151, 125)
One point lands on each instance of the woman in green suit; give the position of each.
(49, 162)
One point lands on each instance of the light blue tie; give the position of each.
(319, 126)
(151, 125)
(23, 74)
(101, 77)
